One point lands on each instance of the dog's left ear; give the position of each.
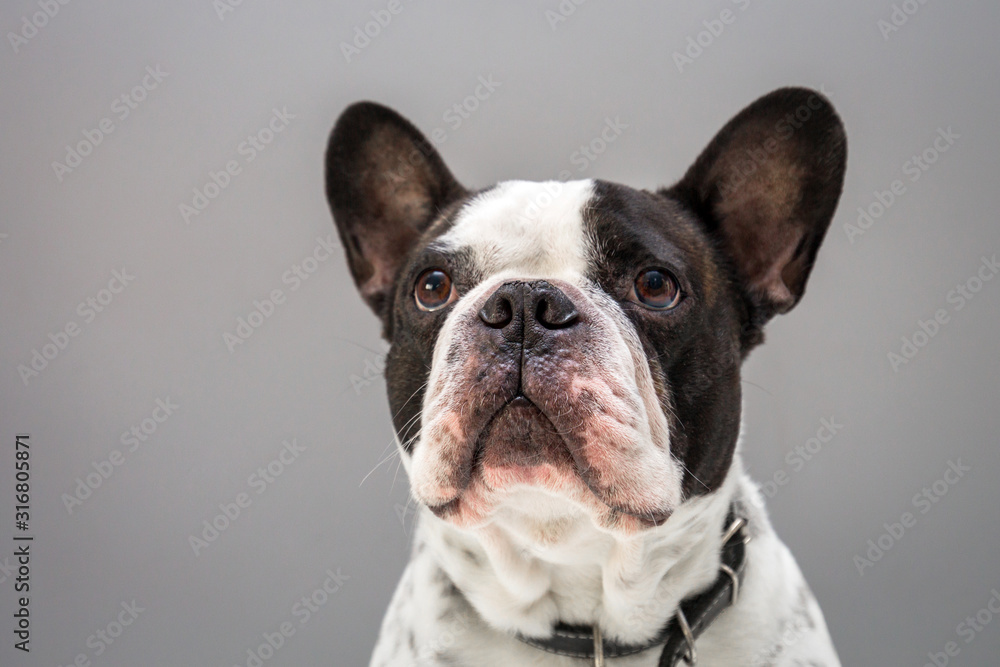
(385, 184)
(766, 188)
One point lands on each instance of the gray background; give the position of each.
(310, 371)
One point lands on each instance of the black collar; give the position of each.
(693, 616)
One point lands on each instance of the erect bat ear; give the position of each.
(385, 184)
(766, 187)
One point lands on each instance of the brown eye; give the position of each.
(433, 290)
(657, 289)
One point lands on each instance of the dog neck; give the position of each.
(540, 562)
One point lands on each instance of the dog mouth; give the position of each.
(520, 445)
(519, 434)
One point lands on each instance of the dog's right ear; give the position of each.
(385, 184)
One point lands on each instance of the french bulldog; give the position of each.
(564, 383)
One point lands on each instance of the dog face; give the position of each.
(581, 339)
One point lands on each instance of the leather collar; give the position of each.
(678, 636)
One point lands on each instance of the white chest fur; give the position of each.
(464, 596)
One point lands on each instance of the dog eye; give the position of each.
(657, 289)
(434, 290)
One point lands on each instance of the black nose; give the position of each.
(537, 302)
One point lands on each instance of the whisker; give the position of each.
(392, 443)
(393, 485)
(357, 344)
(693, 475)
(415, 391)
(377, 465)
(754, 384)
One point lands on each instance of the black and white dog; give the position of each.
(564, 376)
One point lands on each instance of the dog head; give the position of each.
(582, 339)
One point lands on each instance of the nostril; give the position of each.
(497, 312)
(556, 312)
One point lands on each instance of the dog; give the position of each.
(564, 380)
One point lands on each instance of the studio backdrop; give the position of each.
(197, 388)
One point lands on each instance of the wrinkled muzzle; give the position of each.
(545, 384)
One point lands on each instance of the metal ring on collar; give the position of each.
(598, 647)
(692, 657)
(735, 579)
(738, 524)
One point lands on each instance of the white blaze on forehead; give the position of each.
(527, 227)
